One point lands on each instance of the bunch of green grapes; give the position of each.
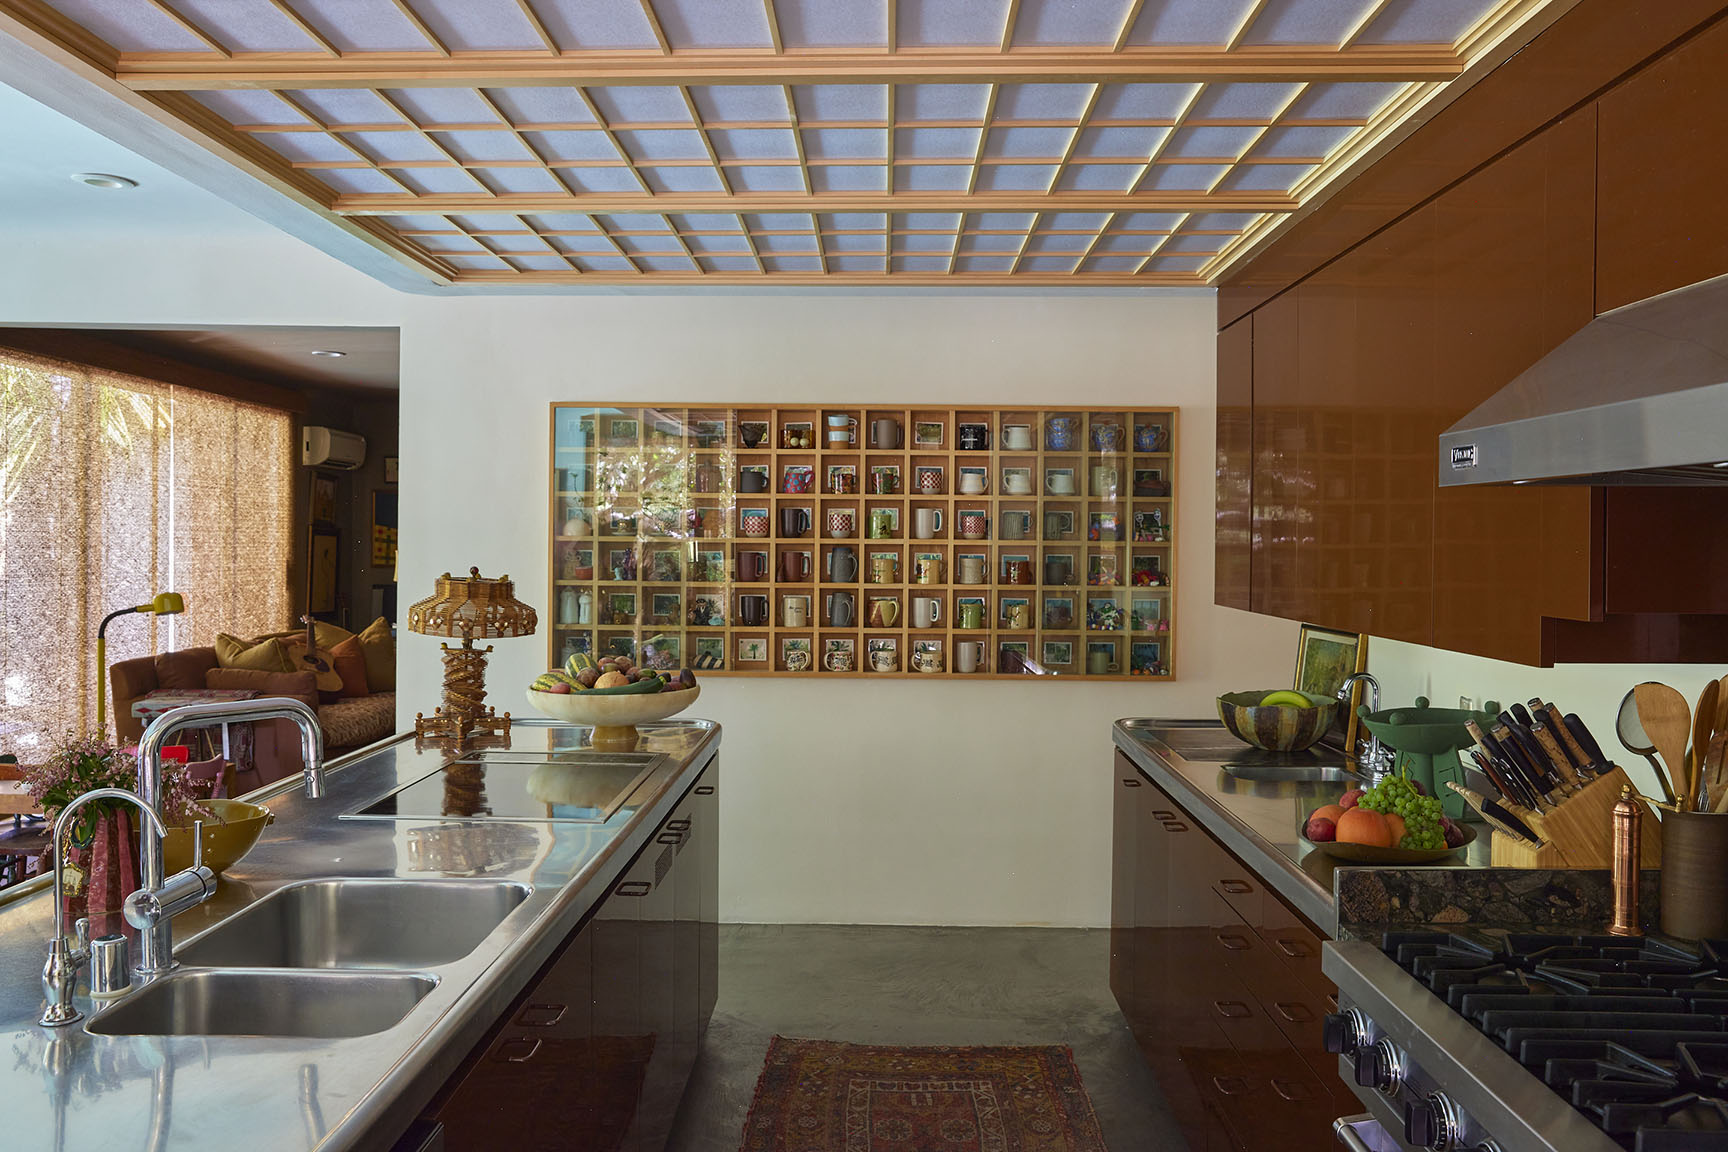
(1421, 814)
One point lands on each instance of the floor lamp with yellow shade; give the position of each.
(474, 608)
(165, 604)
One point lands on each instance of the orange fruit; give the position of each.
(1395, 823)
(1330, 811)
(1364, 826)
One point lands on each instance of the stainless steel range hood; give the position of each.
(1638, 396)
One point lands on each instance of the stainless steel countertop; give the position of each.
(66, 1088)
(1259, 821)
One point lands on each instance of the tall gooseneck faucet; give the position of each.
(1373, 757)
(155, 939)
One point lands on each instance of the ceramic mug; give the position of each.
(971, 615)
(1099, 663)
(797, 660)
(971, 570)
(843, 564)
(1059, 483)
(926, 522)
(927, 661)
(753, 610)
(884, 569)
(973, 525)
(1058, 616)
(794, 567)
(1017, 483)
(1059, 433)
(752, 565)
(1105, 480)
(884, 660)
(1017, 572)
(882, 481)
(926, 611)
(752, 481)
(794, 521)
(1055, 570)
(838, 660)
(881, 524)
(842, 430)
(840, 522)
(1107, 437)
(1017, 437)
(968, 655)
(971, 484)
(930, 480)
(840, 609)
(884, 433)
(1148, 437)
(795, 610)
(753, 522)
(1012, 525)
(1019, 616)
(928, 570)
(800, 480)
(883, 612)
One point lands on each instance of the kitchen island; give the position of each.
(599, 838)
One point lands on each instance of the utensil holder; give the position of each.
(1579, 833)
(1694, 897)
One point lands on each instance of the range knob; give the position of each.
(1342, 1033)
(1380, 1066)
(1434, 1122)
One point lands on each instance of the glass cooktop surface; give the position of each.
(582, 785)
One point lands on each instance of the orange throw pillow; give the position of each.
(350, 661)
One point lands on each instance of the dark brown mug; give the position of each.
(794, 567)
(750, 565)
(1018, 572)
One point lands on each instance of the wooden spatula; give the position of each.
(1703, 727)
(1667, 720)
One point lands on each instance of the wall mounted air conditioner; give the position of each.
(328, 448)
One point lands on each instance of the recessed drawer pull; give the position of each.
(1230, 1085)
(1131, 784)
(1175, 826)
(669, 837)
(1233, 941)
(1232, 1009)
(540, 1015)
(705, 790)
(518, 1049)
(1295, 1013)
(1295, 949)
(1163, 814)
(678, 825)
(1293, 1090)
(1236, 887)
(633, 888)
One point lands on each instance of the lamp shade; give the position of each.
(472, 607)
(165, 604)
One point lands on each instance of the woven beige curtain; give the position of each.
(115, 488)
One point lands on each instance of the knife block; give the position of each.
(1580, 832)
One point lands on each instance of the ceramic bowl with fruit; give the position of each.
(612, 694)
(1395, 822)
(1278, 720)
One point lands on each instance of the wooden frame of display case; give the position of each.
(655, 552)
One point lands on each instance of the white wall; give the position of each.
(861, 802)
(1593, 691)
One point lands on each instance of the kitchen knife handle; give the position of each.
(1581, 760)
(1556, 754)
(1540, 786)
(1582, 734)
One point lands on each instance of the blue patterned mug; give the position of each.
(1106, 437)
(1059, 433)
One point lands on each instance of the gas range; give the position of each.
(1527, 1042)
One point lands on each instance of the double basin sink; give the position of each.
(317, 959)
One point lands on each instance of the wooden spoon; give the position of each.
(1703, 727)
(1667, 720)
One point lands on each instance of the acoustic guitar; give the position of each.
(321, 663)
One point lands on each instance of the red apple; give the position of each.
(559, 689)
(1350, 799)
(1321, 829)
(1454, 834)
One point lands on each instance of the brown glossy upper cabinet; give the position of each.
(1235, 468)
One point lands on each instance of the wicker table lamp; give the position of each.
(470, 607)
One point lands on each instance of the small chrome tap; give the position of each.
(60, 973)
(1375, 760)
(156, 904)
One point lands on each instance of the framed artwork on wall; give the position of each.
(1324, 657)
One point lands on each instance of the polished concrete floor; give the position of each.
(873, 985)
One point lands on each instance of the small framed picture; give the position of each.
(618, 644)
(1058, 612)
(710, 652)
(666, 566)
(839, 644)
(927, 434)
(662, 652)
(1058, 653)
(621, 432)
(323, 498)
(667, 607)
(621, 563)
(752, 650)
(1103, 526)
(391, 466)
(1323, 659)
(622, 605)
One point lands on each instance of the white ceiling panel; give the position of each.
(478, 25)
(1064, 22)
(690, 24)
(838, 178)
(940, 102)
(741, 103)
(832, 23)
(1425, 21)
(361, 25)
(596, 24)
(1184, 22)
(1305, 22)
(950, 23)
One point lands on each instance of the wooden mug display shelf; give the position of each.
(763, 540)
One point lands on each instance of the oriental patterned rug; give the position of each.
(824, 1096)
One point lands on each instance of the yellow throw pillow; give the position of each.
(267, 656)
(379, 648)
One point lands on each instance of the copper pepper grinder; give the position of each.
(1628, 857)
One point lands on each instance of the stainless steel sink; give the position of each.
(358, 923)
(1305, 774)
(315, 1005)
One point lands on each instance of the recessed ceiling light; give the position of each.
(104, 180)
(331, 352)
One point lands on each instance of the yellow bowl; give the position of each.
(225, 843)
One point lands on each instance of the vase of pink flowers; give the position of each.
(101, 852)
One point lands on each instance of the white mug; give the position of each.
(797, 610)
(926, 522)
(1017, 438)
(1059, 483)
(966, 655)
(971, 483)
(1017, 483)
(926, 611)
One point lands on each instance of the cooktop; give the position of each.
(582, 785)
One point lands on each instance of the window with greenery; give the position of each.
(116, 488)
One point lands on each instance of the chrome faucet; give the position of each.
(1374, 758)
(60, 973)
(155, 904)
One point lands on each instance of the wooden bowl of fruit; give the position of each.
(613, 695)
(1278, 720)
(1391, 823)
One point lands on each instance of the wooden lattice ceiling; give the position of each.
(992, 142)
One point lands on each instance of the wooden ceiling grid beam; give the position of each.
(1020, 252)
(977, 164)
(298, 106)
(538, 235)
(430, 36)
(1129, 19)
(605, 234)
(595, 69)
(653, 19)
(891, 26)
(1247, 22)
(396, 107)
(1145, 261)
(1157, 151)
(66, 34)
(1369, 15)
(1074, 138)
(191, 28)
(793, 162)
(797, 134)
(819, 231)
(1493, 25)
(1259, 135)
(1009, 20)
(707, 144)
(773, 19)
(831, 279)
(521, 138)
(888, 137)
(539, 26)
(797, 125)
(306, 27)
(439, 204)
(612, 138)
(1086, 253)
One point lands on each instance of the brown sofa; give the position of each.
(348, 724)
